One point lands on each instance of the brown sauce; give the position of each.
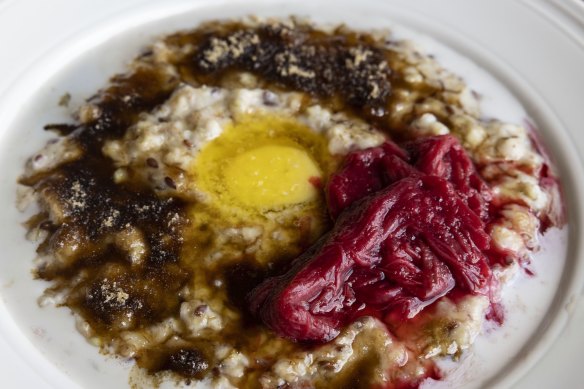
(114, 293)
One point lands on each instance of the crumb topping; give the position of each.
(323, 65)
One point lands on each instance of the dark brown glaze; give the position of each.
(89, 211)
(62, 129)
(188, 361)
(319, 64)
(92, 212)
(344, 69)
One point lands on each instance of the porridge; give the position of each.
(272, 204)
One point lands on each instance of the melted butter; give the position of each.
(272, 176)
(263, 163)
(260, 179)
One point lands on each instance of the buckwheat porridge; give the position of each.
(274, 204)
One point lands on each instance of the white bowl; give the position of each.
(538, 308)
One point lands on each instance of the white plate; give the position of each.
(534, 48)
